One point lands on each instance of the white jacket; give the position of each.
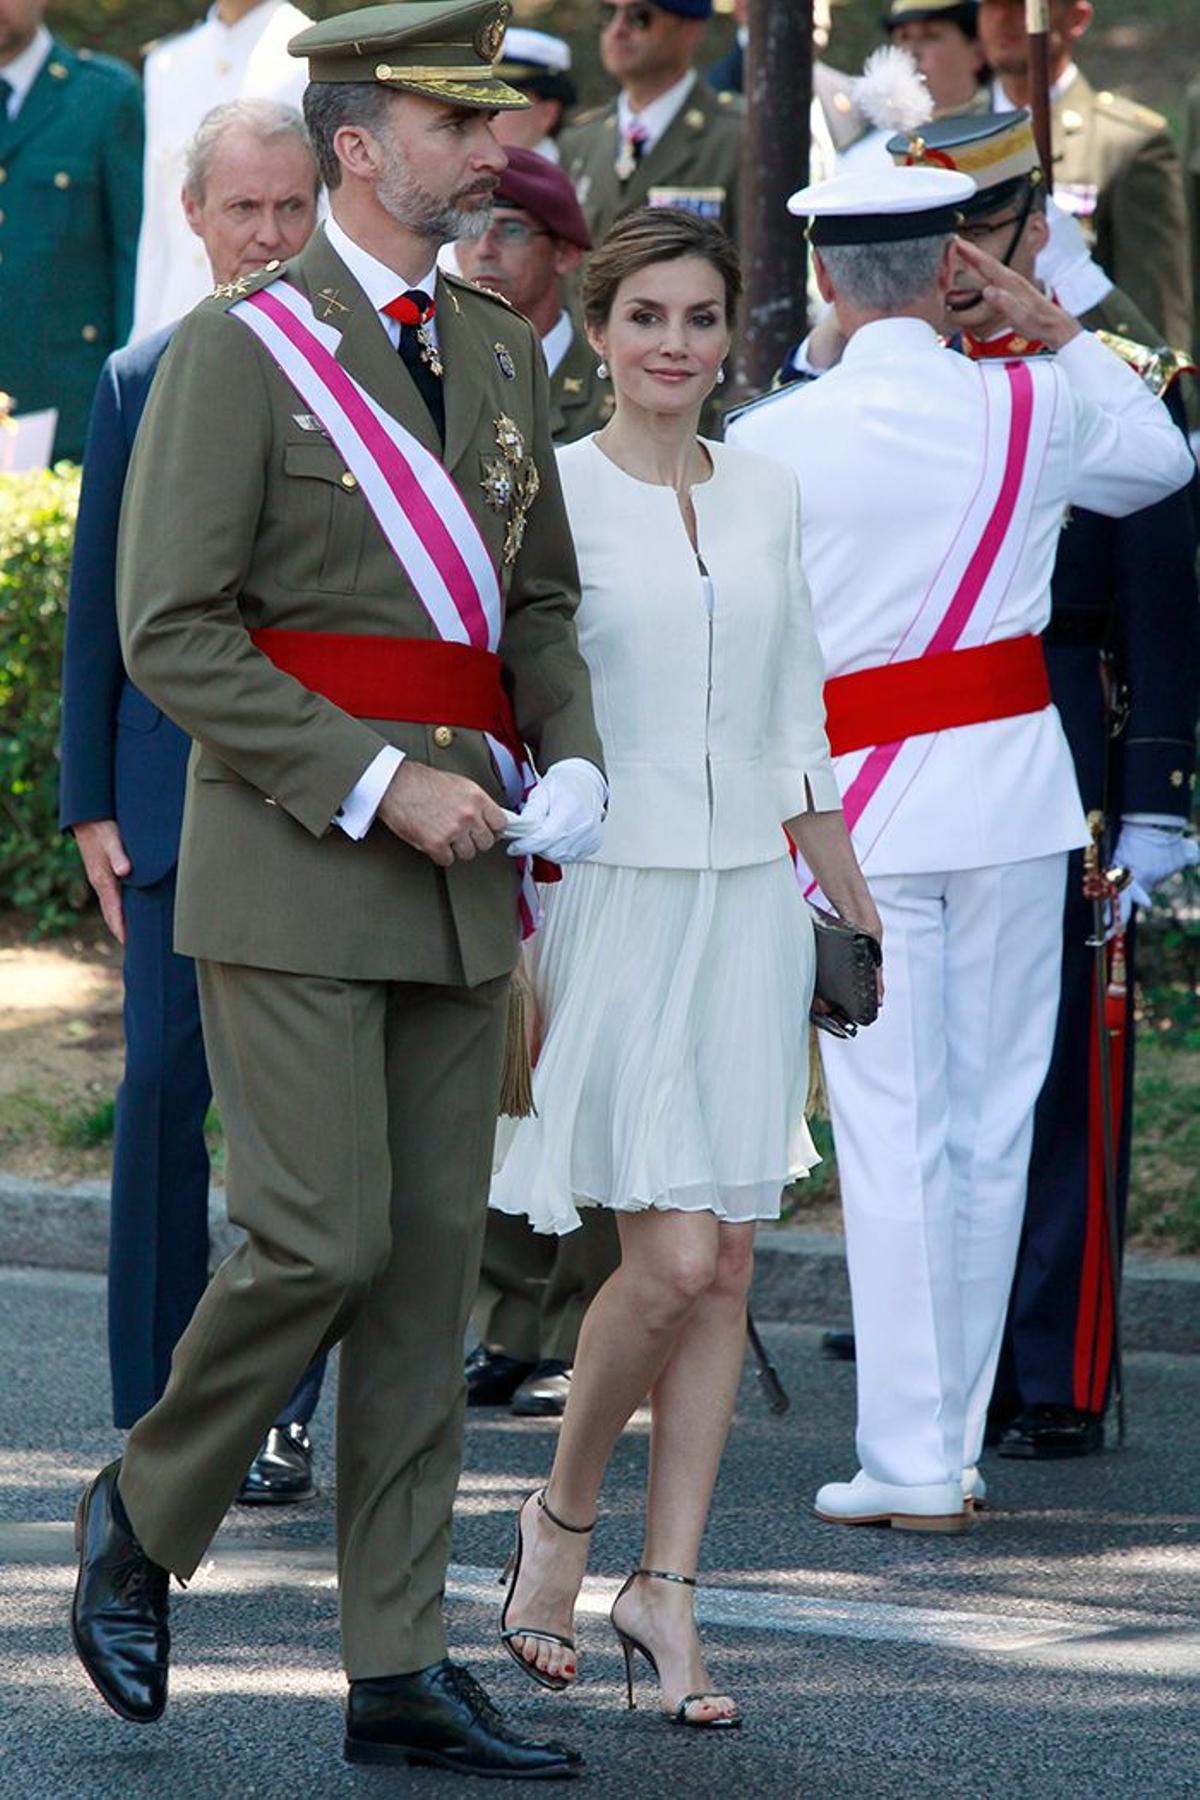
(713, 730)
(185, 77)
(887, 448)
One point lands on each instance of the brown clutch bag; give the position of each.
(847, 958)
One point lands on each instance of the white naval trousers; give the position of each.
(932, 1110)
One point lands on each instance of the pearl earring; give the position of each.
(720, 374)
(602, 369)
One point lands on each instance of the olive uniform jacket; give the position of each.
(70, 207)
(581, 401)
(1116, 168)
(240, 514)
(696, 163)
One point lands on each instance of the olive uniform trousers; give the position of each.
(535, 1289)
(360, 1117)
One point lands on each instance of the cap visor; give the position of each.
(487, 95)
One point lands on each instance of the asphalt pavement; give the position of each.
(1052, 1651)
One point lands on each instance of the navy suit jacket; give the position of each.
(122, 758)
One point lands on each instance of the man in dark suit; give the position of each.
(251, 195)
(71, 184)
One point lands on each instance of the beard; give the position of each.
(428, 215)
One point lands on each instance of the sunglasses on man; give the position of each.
(639, 16)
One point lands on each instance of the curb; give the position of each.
(799, 1278)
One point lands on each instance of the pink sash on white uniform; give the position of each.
(415, 500)
(967, 590)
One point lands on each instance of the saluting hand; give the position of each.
(1025, 307)
(449, 818)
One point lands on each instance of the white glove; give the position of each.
(1066, 267)
(1152, 853)
(562, 817)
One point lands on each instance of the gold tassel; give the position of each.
(516, 1079)
(816, 1106)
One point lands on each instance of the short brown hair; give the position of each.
(655, 234)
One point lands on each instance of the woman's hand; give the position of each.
(825, 844)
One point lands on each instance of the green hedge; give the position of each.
(40, 872)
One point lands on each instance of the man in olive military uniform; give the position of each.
(666, 139)
(346, 570)
(1115, 164)
(70, 205)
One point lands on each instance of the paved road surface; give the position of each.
(1053, 1652)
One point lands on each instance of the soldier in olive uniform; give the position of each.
(70, 205)
(666, 139)
(1115, 164)
(356, 651)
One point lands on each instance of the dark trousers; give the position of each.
(1058, 1338)
(534, 1289)
(158, 1224)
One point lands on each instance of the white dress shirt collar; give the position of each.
(1001, 102)
(557, 340)
(24, 69)
(249, 26)
(380, 284)
(659, 115)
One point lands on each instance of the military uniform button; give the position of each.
(90, 334)
(349, 481)
(273, 265)
(1176, 778)
(3, 175)
(443, 736)
(62, 179)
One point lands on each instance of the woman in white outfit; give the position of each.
(674, 971)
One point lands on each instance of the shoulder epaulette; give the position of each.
(1130, 112)
(589, 115)
(760, 400)
(241, 285)
(474, 287)
(1157, 368)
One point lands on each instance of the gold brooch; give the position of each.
(497, 484)
(514, 537)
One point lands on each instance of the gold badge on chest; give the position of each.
(509, 437)
(510, 483)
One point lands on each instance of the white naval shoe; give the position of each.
(974, 1490)
(938, 1506)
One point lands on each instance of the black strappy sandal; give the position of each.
(629, 1644)
(512, 1569)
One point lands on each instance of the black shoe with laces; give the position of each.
(441, 1715)
(119, 1614)
(1049, 1433)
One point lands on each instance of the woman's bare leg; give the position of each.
(692, 1403)
(630, 1333)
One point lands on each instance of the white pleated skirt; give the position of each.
(673, 1072)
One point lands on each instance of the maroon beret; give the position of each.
(540, 188)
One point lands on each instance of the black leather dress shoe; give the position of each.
(281, 1473)
(543, 1395)
(441, 1715)
(1048, 1433)
(838, 1346)
(119, 1614)
(492, 1377)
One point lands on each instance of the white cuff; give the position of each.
(1165, 821)
(356, 814)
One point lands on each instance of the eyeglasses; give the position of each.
(978, 234)
(512, 231)
(638, 17)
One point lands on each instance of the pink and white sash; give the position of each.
(415, 501)
(960, 605)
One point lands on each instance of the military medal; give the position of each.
(505, 362)
(429, 352)
(509, 438)
(497, 484)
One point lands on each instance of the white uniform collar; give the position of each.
(380, 284)
(659, 115)
(249, 25)
(557, 340)
(890, 338)
(23, 70)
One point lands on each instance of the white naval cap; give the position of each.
(879, 206)
(537, 49)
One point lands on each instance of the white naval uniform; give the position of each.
(185, 77)
(965, 847)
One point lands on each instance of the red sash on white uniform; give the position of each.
(415, 500)
(968, 588)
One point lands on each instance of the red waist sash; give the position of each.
(934, 693)
(423, 681)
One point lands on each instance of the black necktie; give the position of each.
(413, 310)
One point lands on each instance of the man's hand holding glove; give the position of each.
(562, 817)
(1152, 848)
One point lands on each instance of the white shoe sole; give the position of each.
(945, 1522)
